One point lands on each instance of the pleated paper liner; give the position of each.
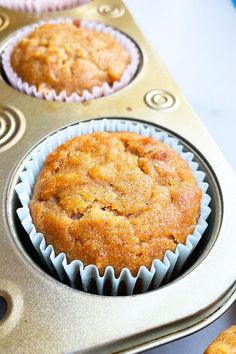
(87, 278)
(97, 91)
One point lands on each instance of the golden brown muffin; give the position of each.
(118, 199)
(67, 57)
(225, 343)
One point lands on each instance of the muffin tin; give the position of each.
(45, 315)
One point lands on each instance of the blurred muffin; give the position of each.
(41, 5)
(66, 57)
(115, 199)
(225, 343)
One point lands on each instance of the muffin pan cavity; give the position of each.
(207, 240)
(103, 88)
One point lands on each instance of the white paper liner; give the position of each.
(79, 275)
(97, 91)
(40, 6)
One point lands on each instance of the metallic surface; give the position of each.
(47, 316)
(12, 127)
(4, 21)
(111, 10)
(159, 99)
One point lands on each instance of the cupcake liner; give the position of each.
(40, 6)
(78, 275)
(97, 91)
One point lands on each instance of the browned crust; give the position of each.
(225, 343)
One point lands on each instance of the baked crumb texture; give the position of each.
(225, 343)
(65, 57)
(118, 199)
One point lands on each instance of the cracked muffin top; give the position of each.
(67, 57)
(118, 199)
(225, 343)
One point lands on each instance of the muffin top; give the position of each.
(225, 343)
(67, 57)
(118, 199)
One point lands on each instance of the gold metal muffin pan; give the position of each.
(47, 316)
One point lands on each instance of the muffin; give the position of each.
(115, 199)
(225, 343)
(66, 57)
(41, 5)
(117, 205)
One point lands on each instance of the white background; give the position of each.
(197, 42)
